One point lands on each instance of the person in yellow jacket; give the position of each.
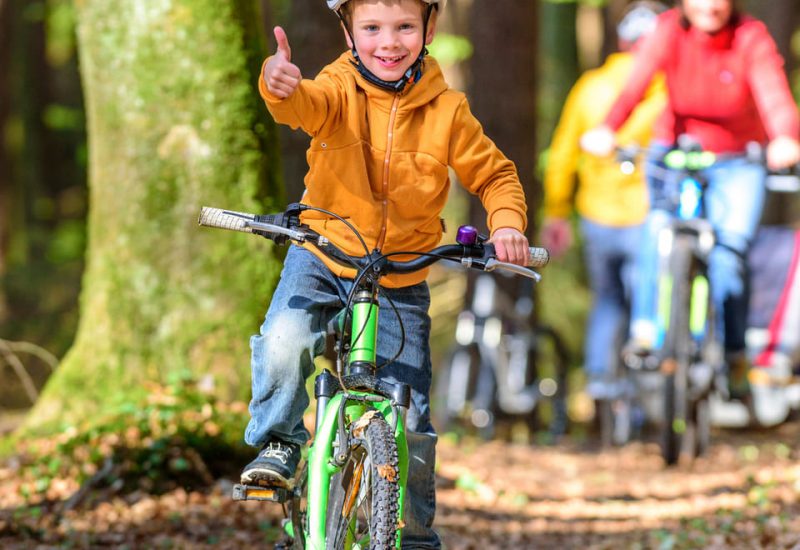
(611, 204)
(384, 129)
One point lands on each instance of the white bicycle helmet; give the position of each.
(336, 4)
(638, 20)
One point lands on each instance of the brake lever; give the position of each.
(492, 264)
(293, 234)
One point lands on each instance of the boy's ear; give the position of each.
(347, 37)
(431, 28)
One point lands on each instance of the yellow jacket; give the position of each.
(604, 195)
(380, 159)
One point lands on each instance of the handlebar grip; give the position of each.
(540, 257)
(225, 219)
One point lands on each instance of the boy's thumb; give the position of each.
(283, 43)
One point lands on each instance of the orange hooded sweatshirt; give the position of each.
(380, 159)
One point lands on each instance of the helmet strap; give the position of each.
(412, 75)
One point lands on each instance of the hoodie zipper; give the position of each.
(385, 187)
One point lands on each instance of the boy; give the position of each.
(384, 128)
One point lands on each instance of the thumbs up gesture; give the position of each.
(281, 75)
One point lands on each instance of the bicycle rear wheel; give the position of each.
(615, 414)
(363, 499)
(549, 363)
(465, 392)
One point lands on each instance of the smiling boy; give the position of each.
(384, 129)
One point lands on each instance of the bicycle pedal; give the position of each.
(256, 492)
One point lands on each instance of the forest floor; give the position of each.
(744, 494)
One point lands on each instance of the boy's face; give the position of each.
(388, 35)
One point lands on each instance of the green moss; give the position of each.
(175, 123)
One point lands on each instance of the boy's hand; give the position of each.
(511, 246)
(281, 75)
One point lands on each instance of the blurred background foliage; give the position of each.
(43, 141)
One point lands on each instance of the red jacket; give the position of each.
(725, 89)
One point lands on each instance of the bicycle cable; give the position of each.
(349, 225)
(361, 273)
(381, 292)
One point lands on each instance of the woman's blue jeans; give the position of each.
(610, 254)
(734, 200)
(308, 295)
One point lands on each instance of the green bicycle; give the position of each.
(349, 492)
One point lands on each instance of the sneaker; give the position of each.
(738, 382)
(274, 465)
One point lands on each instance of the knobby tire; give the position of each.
(363, 501)
(677, 357)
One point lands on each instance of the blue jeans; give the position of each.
(293, 333)
(734, 200)
(610, 254)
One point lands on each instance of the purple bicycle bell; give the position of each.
(467, 235)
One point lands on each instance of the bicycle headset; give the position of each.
(638, 20)
(414, 73)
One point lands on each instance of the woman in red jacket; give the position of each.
(726, 88)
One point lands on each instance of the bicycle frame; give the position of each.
(689, 220)
(688, 356)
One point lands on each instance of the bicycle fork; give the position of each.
(322, 460)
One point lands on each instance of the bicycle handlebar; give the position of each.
(246, 223)
(785, 180)
(286, 225)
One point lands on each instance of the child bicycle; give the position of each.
(350, 491)
(502, 368)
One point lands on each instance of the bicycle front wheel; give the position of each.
(677, 356)
(363, 500)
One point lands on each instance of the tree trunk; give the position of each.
(317, 39)
(559, 63)
(502, 87)
(612, 13)
(502, 92)
(782, 18)
(5, 160)
(174, 123)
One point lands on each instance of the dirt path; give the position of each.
(745, 494)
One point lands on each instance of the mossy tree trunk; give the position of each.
(558, 63)
(174, 122)
(5, 161)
